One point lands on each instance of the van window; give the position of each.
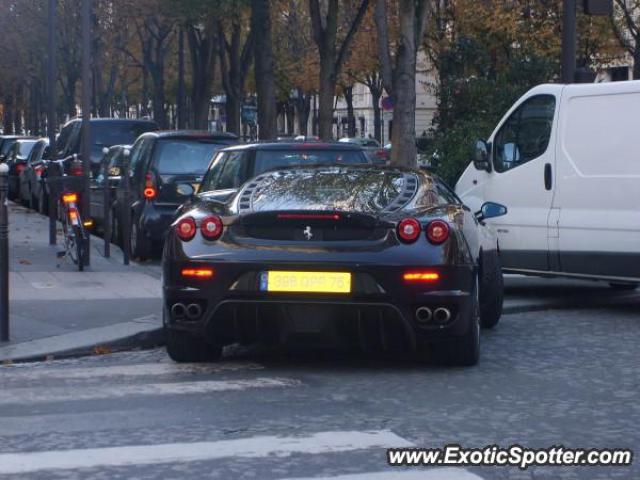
(526, 133)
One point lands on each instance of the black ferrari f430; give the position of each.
(380, 259)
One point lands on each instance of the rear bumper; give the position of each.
(379, 314)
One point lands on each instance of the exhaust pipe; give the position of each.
(442, 315)
(178, 310)
(194, 311)
(423, 314)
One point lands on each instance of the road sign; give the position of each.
(387, 103)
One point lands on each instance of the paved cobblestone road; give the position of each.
(567, 377)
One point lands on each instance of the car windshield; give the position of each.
(274, 159)
(184, 156)
(343, 189)
(107, 134)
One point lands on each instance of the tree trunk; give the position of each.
(377, 118)
(289, 112)
(351, 118)
(8, 115)
(636, 62)
(264, 69)
(232, 110)
(327, 95)
(202, 51)
(303, 109)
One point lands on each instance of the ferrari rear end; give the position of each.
(319, 259)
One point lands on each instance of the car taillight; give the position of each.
(408, 230)
(197, 272)
(150, 190)
(211, 228)
(381, 153)
(186, 228)
(421, 276)
(20, 168)
(76, 169)
(437, 232)
(39, 170)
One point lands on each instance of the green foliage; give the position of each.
(474, 93)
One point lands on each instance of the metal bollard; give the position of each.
(4, 254)
(53, 172)
(125, 209)
(106, 226)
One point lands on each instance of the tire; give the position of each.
(140, 248)
(624, 287)
(491, 290)
(183, 347)
(465, 351)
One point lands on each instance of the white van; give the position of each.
(565, 160)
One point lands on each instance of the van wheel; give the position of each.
(624, 286)
(465, 351)
(491, 290)
(183, 347)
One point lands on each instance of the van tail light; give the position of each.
(421, 276)
(437, 232)
(20, 168)
(211, 228)
(39, 170)
(150, 191)
(408, 230)
(186, 228)
(76, 169)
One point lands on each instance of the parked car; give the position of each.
(377, 154)
(565, 158)
(233, 166)
(115, 158)
(160, 162)
(105, 132)
(31, 180)
(16, 160)
(357, 256)
(6, 142)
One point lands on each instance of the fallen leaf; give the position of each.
(101, 350)
(24, 262)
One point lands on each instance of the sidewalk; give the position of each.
(55, 309)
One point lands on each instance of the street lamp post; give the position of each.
(4, 254)
(51, 114)
(569, 41)
(86, 117)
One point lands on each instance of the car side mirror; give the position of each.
(491, 210)
(481, 156)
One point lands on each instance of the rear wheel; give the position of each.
(624, 286)
(491, 290)
(465, 351)
(183, 347)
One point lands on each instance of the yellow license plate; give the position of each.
(308, 282)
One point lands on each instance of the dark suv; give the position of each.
(105, 132)
(161, 163)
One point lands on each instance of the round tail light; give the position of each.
(211, 228)
(408, 230)
(186, 228)
(437, 232)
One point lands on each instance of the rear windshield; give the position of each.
(366, 190)
(184, 156)
(25, 147)
(275, 159)
(108, 134)
(6, 146)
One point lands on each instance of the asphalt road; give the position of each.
(568, 377)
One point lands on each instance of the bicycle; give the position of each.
(73, 228)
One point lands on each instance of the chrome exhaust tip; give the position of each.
(194, 311)
(442, 315)
(423, 314)
(178, 310)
